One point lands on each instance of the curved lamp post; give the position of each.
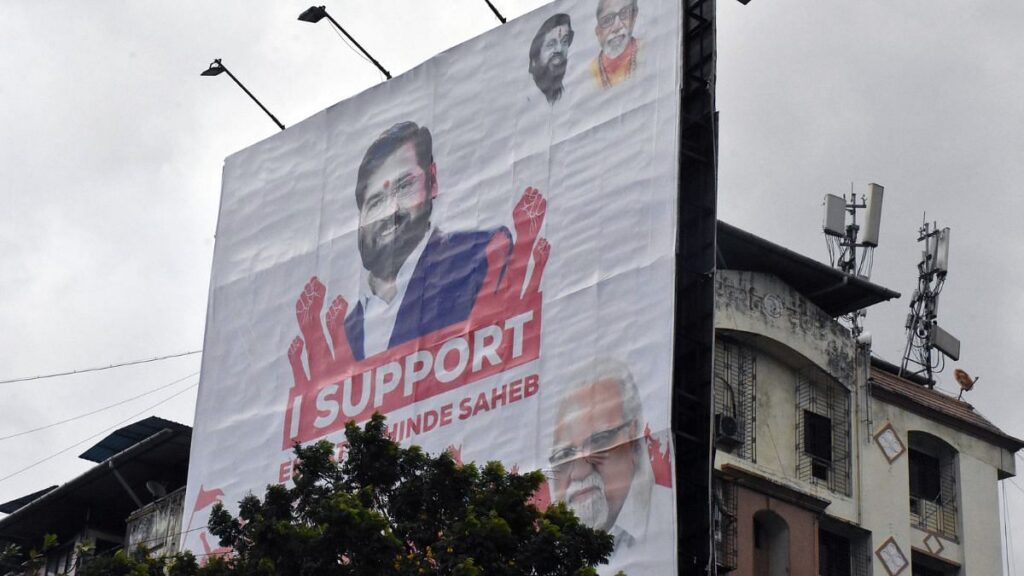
(217, 67)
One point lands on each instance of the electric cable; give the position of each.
(96, 411)
(1015, 485)
(83, 441)
(100, 368)
(350, 46)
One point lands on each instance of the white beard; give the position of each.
(591, 508)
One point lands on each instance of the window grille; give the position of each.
(823, 432)
(861, 551)
(933, 493)
(725, 526)
(735, 397)
(840, 555)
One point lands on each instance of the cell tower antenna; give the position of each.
(924, 335)
(844, 237)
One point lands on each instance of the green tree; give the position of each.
(388, 509)
(392, 510)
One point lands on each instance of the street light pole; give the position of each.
(217, 67)
(495, 10)
(316, 13)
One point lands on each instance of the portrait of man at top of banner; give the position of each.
(600, 466)
(619, 48)
(549, 55)
(417, 278)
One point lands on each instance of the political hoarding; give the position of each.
(482, 250)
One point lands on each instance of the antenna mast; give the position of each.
(842, 238)
(923, 332)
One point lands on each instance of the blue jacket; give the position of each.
(441, 291)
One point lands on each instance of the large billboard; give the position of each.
(482, 249)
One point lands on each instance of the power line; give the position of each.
(83, 441)
(97, 411)
(98, 368)
(1015, 485)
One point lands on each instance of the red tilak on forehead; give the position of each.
(387, 184)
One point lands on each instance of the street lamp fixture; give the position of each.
(217, 67)
(315, 14)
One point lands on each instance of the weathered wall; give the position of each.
(157, 525)
(886, 501)
(789, 334)
(803, 533)
(762, 304)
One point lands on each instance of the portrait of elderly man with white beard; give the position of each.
(599, 461)
(619, 48)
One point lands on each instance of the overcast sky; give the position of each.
(112, 148)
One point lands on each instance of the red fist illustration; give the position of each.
(505, 285)
(325, 360)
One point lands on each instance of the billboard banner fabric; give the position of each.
(481, 249)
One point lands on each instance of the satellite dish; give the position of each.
(964, 380)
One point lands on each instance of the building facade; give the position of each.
(133, 496)
(828, 463)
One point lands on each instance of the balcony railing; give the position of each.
(934, 516)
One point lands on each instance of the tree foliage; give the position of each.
(386, 509)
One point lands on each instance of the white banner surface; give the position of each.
(482, 249)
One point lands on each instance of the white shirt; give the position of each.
(645, 529)
(631, 524)
(379, 316)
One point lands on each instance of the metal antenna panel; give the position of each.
(851, 247)
(873, 215)
(928, 344)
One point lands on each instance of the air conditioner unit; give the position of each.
(727, 431)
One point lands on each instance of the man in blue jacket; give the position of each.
(417, 278)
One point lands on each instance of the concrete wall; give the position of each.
(886, 501)
(762, 304)
(157, 525)
(803, 534)
(789, 335)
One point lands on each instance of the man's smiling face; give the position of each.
(615, 19)
(395, 213)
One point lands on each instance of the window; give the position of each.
(833, 554)
(735, 398)
(843, 553)
(933, 490)
(922, 565)
(724, 525)
(924, 476)
(823, 432)
(818, 443)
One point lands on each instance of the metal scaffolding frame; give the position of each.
(695, 266)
